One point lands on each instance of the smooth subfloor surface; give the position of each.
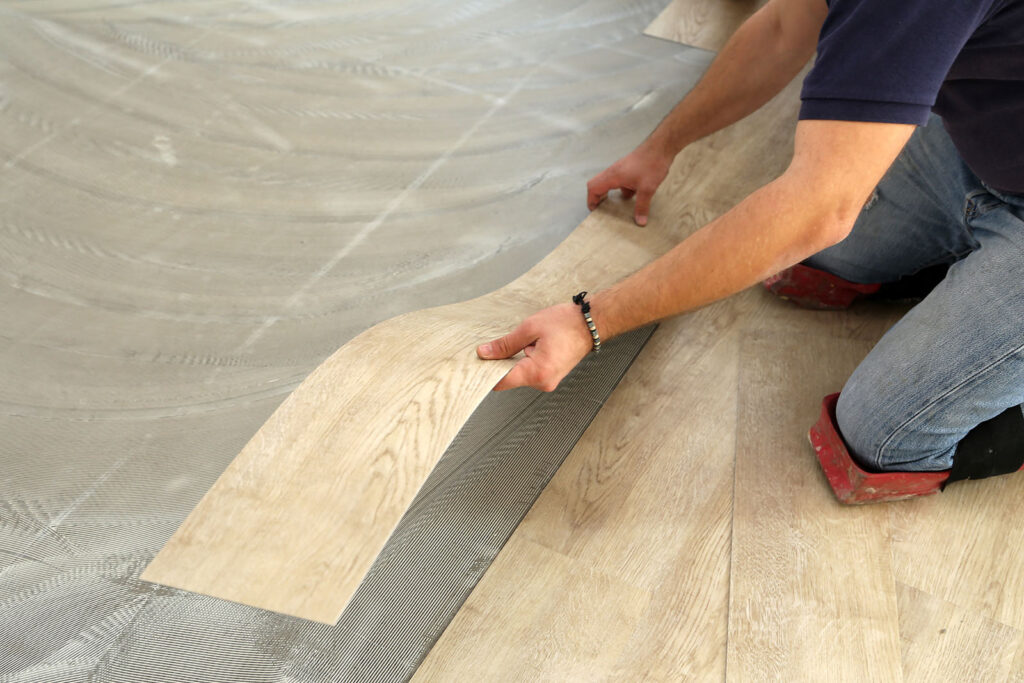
(202, 201)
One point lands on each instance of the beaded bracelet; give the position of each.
(585, 307)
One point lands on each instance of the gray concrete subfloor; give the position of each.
(199, 202)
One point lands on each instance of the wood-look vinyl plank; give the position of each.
(965, 546)
(943, 641)
(537, 616)
(1016, 674)
(865, 321)
(298, 517)
(674, 404)
(745, 155)
(702, 23)
(812, 592)
(295, 521)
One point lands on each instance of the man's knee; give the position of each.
(883, 438)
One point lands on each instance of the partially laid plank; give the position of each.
(298, 517)
(813, 596)
(643, 501)
(706, 24)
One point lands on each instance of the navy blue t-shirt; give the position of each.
(894, 61)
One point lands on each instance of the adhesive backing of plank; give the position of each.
(296, 520)
(707, 24)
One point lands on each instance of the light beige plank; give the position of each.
(545, 618)
(944, 642)
(812, 595)
(299, 516)
(966, 546)
(702, 23)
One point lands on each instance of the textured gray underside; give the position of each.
(468, 508)
(199, 203)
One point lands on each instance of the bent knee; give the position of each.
(881, 440)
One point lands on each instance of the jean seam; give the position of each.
(967, 380)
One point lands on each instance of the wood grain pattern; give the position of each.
(943, 641)
(646, 495)
(966, 547)
(702, 23)
(548, 617)
(299, 516)
(255, 539)
(812, 583)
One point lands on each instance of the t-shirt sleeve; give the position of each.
(885, 60)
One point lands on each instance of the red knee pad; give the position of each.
(812, 288)
(992, 448)
(851, 483)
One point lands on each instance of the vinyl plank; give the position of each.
(706, 24)
(295, 521)
(811, 588)
(546, 618)
(965, 546)
(942, 641)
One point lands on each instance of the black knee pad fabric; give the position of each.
(994, 447)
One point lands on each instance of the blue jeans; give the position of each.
(957, 358)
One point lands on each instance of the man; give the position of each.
(879, 188)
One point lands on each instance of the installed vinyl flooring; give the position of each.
(202, 201)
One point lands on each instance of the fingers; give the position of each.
(507, 346)
(643, 206)
(603, 183)
(598, 188)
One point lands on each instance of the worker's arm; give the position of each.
(764, 54)
(811, 206)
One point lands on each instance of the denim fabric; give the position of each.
(957, 358)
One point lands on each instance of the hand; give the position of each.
(553, 340)
(638, 173)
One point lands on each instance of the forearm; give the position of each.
(764, 55)
(772, 229)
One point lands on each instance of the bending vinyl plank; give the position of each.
(296, 520)
(702, 23)
(812, 586)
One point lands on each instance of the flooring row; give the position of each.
(202, 201)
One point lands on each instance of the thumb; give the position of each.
(507, 346)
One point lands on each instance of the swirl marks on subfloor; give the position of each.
(199, 202)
